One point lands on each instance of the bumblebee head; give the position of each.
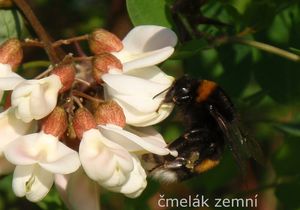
(182, 91)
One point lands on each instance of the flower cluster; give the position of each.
(84, 124)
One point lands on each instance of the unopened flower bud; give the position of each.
(110, 113)
(5, 3)
(101, 41)
(66, 73)
(102, 63)
(11, 53)
(56, 123)
(83, 121)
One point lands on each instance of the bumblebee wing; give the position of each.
(242, 148)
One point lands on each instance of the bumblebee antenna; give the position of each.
(161, 92)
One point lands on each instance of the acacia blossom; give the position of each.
(140, 95)
(78, 191)
(116, 148)
(41, 120)
(10, 129)
(138, 86)
(35, 99)
(146, 45)
(8, 79)
(38, 157)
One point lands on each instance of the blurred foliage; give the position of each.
(265, 87)
(11, 24)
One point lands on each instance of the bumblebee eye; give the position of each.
(212, 147)
(185, 90)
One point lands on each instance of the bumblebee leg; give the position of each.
(197, 135)
(175, 164)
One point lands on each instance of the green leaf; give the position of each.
(289, 128)
(278, 76)
(190, 48)
(237, 62)
(288, 195)
(11, 24)
(154, 12)
(295, 50)
(286, 160)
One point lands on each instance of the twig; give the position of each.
(77, 101)
(32, 43)
(267, 48)
(84, 58)
(77, 93)
(44, 73)
(38, 28)
(71, 40)
(82, 81)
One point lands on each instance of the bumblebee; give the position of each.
(211, 122)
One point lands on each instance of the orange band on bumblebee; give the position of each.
(205, 88)
(206, 165)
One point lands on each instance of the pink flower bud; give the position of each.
(56, 123)
(102, 63)
(101, 41)
(66, 73)
(83, 121)
(11, 53)
(110, 113)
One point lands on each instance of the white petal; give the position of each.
(44, 99)
(136, 183)
(62, 161)
(130, 141)
(148, 38)
(32, 181)
(152, 73)
(21, 175)
(146, 59)
(117, 178)
(35, 99)
(130, 85)
(100, 157)
(12, 128)
(142, 104)
(23, 150)
(78, 191)
(140, 119)
(82, 192)
(61, 183)
(146, 46)
(148, 134)
(135, 94)
(8, 79)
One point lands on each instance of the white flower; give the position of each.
(78, 191)
(10, 129)
(107, 156)
(38, 157)
(35, 99)
(138, 93)
(8, 79)
(146, 46)
(136, 182)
